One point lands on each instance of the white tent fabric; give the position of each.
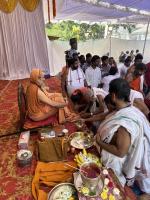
(139, 4)
(23, 43)
(84, 11)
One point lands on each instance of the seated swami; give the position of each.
(41, 104)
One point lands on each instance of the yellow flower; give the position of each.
(112, 197)
(85, 190)
(105, 189)
(71, 198)
(104, 195)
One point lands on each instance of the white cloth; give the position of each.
(122, 70)
(135, 95)
(75, 80)
(107, 79)
(119, 65)
(103, 93)
(93, 76)
(99, 91)
(85, 67)
(126, 55)
(23, 43)
(142, 82)
(138, 155)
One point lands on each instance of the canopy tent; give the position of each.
(107, 10)
(111, 11)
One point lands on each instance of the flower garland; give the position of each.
(29, 5)
(8, 6)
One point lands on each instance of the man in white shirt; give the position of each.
(113, 74)
(75, 77)
(105, 67)
(93, 73)
(88, 62)
(122, 69)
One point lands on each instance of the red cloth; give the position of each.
(29, 123)
(147, 74)
(135, 84)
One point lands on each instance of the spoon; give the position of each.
(75, 168)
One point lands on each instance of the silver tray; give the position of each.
(81, 140)
(57, 187)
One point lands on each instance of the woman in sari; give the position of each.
(41, 104)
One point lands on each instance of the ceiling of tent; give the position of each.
(88, 11)
(139, 4)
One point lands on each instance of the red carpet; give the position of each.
(15, 182)
(3, 84)
(9, 114)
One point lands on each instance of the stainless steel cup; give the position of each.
(90, 183)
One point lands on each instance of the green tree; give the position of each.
(129, 27)
(68, 29)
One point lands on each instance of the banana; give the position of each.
(84, 152)
(76, 156)
(81, 159)
(89, 155)
(78, 162)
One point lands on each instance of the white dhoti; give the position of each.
(138, 156)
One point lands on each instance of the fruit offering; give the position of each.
(83, 157)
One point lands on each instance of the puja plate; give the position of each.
(79, 185)
(63, 191)
(81, 140)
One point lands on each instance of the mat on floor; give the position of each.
(9, 113)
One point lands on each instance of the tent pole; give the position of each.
(146, 36)
(110, 40)
(110, 45)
